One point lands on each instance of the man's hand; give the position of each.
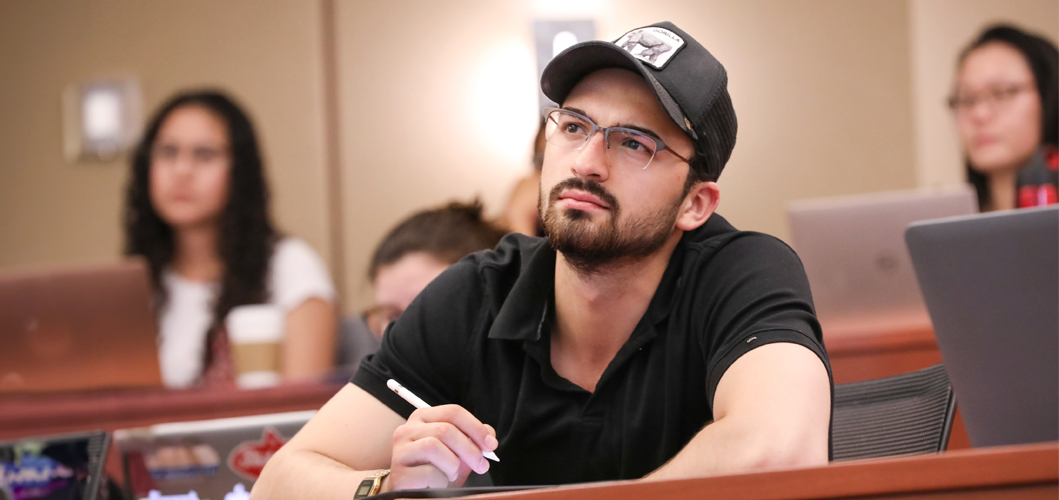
(438, 447)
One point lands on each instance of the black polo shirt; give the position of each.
(478, 336)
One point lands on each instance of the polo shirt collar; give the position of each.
(523, 311)
(522, 315)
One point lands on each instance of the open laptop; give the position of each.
(67, 467)
(854, 253)
(77, 328)
(991, 283)
(214, 458)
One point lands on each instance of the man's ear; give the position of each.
(699, 205)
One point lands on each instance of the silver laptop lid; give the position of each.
(209, 457)
(991, 283)
(854, 252)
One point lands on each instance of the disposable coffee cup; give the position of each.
(255, 333)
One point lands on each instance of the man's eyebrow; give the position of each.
(637, 128)
(576, 110)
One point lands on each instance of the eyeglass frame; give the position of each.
(661, 145)
(991, 97)
(379, 316)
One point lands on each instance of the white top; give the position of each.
(296, 273)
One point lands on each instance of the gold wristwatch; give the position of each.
(371, 485)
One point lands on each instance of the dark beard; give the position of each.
(588, 248)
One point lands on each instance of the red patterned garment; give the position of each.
(1038, 181)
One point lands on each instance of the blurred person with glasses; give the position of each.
(408, 258)
(643, 337)
(1005, 102)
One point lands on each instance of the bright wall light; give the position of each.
(565, 9)
(562, 41)
(552, 36)
(101, 119)
(503, 102)
(101, 114)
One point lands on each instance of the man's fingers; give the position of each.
(431, 451)
(450, 436)
(490, 440)
(439, 446)
(463, 420)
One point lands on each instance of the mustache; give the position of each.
(588, 186)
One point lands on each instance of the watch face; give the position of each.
(364, 488)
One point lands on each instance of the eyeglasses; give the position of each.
(200, 155)
(993, 97)
(379, 317)
(627, 147)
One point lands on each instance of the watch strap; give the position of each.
(371, 485)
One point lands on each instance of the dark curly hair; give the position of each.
(247, 236)
(447, 233)
(1043, 59)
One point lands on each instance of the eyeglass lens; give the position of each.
(379, 317)
(966, 101)
(628, 147)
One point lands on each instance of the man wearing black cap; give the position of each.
(644, 337)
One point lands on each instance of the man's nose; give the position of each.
(593, 161)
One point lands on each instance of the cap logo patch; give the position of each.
(652, 45)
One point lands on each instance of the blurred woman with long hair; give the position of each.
(197, 210)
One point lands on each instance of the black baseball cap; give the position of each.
(690, 83)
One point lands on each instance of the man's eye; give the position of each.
(573, 128)
(637, 145)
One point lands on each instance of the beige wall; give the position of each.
(266, 53)
(437, 102)
(940, 29)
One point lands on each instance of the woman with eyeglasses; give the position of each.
(1006, 103)
(197, 210)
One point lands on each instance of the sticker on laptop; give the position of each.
(652, 45)
(181, 461)
(249, 457)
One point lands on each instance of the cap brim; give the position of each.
(573, 64)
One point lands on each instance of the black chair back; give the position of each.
(905, 414)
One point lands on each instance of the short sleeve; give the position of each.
(756, 292)
(298, 274)
(427, 347)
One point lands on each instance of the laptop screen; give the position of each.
(59, 468)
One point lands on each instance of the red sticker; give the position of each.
(250, 457)
(1035, 196)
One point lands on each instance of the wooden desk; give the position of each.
(40, 415)
(1023, 472)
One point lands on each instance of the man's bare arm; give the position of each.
(771, 409)
(349, 439)
(354, 435)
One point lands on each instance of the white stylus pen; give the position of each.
(419, 403)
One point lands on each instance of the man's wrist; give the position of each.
(372, 485)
